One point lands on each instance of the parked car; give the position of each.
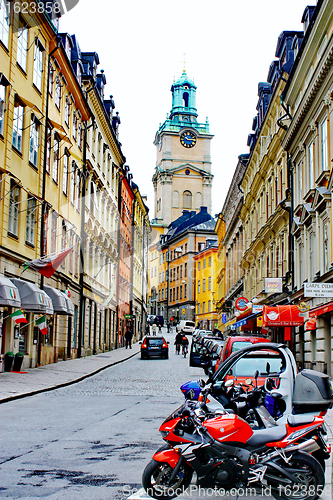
(235, 342)
(154, 346)
(187, 327)
(150, 319)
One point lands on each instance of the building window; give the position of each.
(65, 174)
(57, 93)
(325, 248)
(209, 306)
(199, 265)
(177, 293)
(198, 309)
(185, 291)
(4, 22)
(38, 65)
(312, 257)
(34, 141)
(204, 264)
(324, 152)
(199, 286)
(55, 169)
(13, 213)
(175, 199)
(53, 232)
(51, 79)
(74, 131)
(67, 111)
(79, 136)
(187, 199)
(203, 307)
(18, 125)
(31, 220)
(72, 183)
(78, 188)
(174, 294)
(2, 107)
(203, 285)
(159, 278)
(310, 164)
(180, 292)
(209, 283)
(22, 46)
(181, 271)
(63, 241)
(48, 150)
(185, 247)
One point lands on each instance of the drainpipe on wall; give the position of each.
(44, 203)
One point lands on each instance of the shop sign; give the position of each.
(273, 285)
(257, 308)
(224, 317)
(318, 289)
(303, 307)
(241, 322)
(183, 311)
(241, 303)
(127, 316)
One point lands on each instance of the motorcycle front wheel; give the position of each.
(309, 475)
(155, 480)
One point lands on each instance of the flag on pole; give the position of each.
(18, 317)
(49, 264)
(42, 325)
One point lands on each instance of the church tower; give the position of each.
(182, 178)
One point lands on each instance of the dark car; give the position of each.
(200, 354)
(154, 346)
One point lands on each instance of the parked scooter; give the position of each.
(225, 452)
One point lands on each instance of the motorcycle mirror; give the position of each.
(268, 368)
(256, 373)
(229, 383)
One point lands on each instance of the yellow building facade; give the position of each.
(206, 270)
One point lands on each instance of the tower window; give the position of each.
(185, 98)
(187, 199)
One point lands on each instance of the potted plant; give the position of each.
(9, 357)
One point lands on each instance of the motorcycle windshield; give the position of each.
(177, 413)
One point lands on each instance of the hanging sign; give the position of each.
(318, 289)
(273, 285)
(241, 303)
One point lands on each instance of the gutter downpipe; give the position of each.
(82, 245)
(44, 203)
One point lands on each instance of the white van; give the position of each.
(187, 326)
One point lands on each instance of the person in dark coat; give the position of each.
(128, 337)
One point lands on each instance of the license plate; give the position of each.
(154, 348)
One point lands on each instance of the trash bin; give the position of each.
(9, 357)
(18, 360)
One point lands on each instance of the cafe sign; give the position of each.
(318, 289)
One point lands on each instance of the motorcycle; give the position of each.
(225, 452)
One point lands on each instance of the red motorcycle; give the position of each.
(225, 452)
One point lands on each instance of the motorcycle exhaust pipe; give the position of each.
(309, 446)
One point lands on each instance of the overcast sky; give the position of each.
(229, 46)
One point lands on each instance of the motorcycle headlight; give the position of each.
(164, 434)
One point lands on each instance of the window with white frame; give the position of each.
(57, 92)
(67, 110)
(13, 212)
(38, 65)
(74, 131)
(22, 45)
(65, 174)
(54, 222)
(325, 247)
(2, 107)
(34, 141)
(310, 164)
(203, 285)
(48, 150)
(209, 283)
(72, 183)
(209, 306)
(18, 125)
(4, 22)
(312, 255)
(56, 154)
(51, 79)
(31, 221)
(78, 189)
(324, 146)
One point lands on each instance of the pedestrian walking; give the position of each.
(178, 342)
(128, 337)
(154, 328)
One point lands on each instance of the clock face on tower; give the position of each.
(188, 139)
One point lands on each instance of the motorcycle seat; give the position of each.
(294, 420)
(263, 436)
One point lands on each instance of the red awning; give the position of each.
(321, 310)
(311, 324)
(282, 316)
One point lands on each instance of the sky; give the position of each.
(228, 47)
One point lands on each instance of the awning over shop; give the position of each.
(58, 299)
(49, 305)
(32, 298)
(70, 306)
(287, 315)
(321, 310)
(311, 324)
(9, 294)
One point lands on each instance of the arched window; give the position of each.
(175, 199)
(198, 200)
(185, 98)
(187, 199)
